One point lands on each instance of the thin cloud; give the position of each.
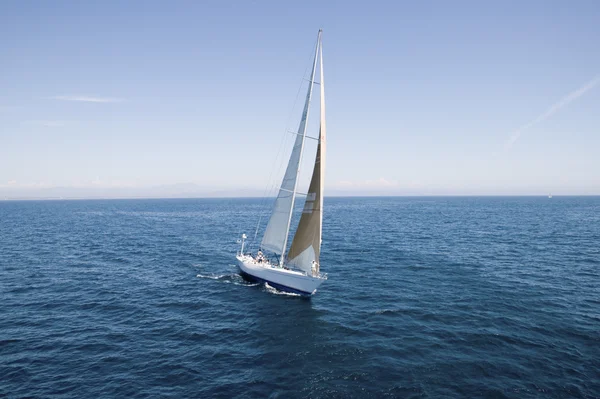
(378, 183)
(49, 123)
(88, 99)
(8, 108)
(553, 109)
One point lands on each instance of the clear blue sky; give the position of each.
(431, 97)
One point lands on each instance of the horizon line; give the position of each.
(273, 197)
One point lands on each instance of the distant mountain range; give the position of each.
(191, 190)
(183, 190)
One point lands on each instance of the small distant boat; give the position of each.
(299, 271)
(550, 196)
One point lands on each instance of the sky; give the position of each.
(154, 98)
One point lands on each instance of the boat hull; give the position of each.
(281, 279)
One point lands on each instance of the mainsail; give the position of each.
(306, 245)
(276, 233)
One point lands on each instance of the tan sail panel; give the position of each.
(306, 245)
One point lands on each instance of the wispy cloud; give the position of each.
(8, 108)
(88, 99)
(553, 109)
(13, 184)
(49, 123)
(378, 183)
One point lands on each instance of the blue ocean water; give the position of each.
(426, 298)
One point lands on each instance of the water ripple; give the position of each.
(426, 297)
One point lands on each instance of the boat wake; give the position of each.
(275, 291)
(229, 278)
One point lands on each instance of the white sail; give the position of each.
(276, 233)
(306, 246)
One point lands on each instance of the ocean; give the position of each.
(427, 297)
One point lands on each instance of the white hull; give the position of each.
(277, 277)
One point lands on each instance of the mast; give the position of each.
(303, 133)
(322, 147)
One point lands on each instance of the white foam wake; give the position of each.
(234, 279)
(275, 291)
(212, 277)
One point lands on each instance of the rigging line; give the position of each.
(270, 186)
(292, 111)
(256, 232)
(308, 137)
(262, 205)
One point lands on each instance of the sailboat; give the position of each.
(298, 271)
